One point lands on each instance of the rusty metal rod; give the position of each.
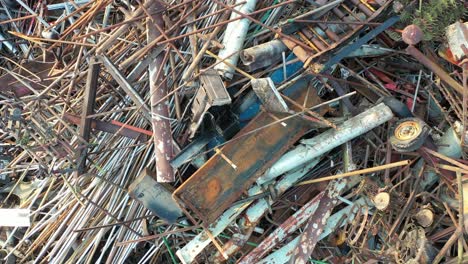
(445, 77)
(358, 172)
(160, 113)
(337, 22)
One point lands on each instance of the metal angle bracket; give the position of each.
(212, 92)
(214, 88)
(266, 91)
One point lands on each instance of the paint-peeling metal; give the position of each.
(283, 254)
(308, 240)
(159, 110)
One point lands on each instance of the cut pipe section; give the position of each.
(330, 139)
(234, 37)
(262, 55)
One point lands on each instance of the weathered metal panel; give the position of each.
(217, 184)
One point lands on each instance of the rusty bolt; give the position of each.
(412, 35)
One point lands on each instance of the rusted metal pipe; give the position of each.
(159, 112)
(445, 77)
(314, 228)
(262, 55)
(412, 35)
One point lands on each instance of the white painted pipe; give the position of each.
(330, 139)
(234, 37)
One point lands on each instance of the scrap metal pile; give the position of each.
(213, 131)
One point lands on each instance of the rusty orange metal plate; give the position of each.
(212, 188)
(217, 184)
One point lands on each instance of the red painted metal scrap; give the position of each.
(112, 127)
(284, 230)
(308, 240)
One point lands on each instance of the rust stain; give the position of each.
(213, 190)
